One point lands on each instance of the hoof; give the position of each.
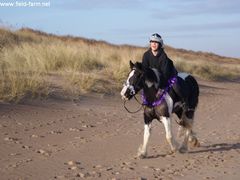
(175, 147)
(172, 151)
(183, 149)
(141, 154)
(193, 142)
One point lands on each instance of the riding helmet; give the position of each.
(157, 38)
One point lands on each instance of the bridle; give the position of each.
(133, 93)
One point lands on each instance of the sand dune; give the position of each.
(94, 137)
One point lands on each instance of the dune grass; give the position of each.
(209, 70)
(28, 58)
(83, 66)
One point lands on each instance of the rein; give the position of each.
(132, 112)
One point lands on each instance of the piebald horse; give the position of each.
(160, 104)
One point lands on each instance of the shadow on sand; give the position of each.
(217, 148)
(220, 147)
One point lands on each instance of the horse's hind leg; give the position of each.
(170, 139)
(184, 146)
(192, 139)
(187, 126)
(142, 151)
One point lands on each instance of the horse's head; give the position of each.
(133, 83)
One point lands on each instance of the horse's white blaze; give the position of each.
(127, 85)
(169, 102)
(124, 89)
(130, 75)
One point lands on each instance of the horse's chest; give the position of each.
(157, 112)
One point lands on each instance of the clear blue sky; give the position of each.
(200, 25)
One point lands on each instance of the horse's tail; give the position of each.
(193, 92)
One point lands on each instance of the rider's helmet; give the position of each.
(156, 38)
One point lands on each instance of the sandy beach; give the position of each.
(94, 137)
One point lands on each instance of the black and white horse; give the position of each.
(161, 103)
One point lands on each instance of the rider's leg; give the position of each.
(180, 90)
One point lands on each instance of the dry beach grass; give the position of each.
(34, 63)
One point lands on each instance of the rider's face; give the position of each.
(154, 45)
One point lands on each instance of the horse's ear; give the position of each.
(131, 64)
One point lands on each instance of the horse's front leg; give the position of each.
(142, 151)
(169, 136)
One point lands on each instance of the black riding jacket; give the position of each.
(160, 62)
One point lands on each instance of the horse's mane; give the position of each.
(149, 74)
(138, 66)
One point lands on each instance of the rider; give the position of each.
(155, 57)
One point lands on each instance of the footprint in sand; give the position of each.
(88, 126)
(44, 152)
(74, 165)
(26, 147)
(20, 163)
(75, 129)
(55, 132)
(34, 136)
(13, 140)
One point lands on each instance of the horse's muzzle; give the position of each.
(127, 92)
